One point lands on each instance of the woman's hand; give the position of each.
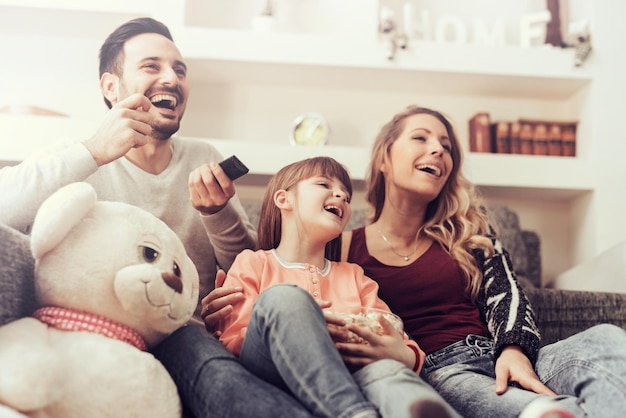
(514, 366)
(390, 345)
(218, 304)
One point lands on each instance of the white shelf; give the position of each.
(519, 175)
(233, 56)
(265, 160)
(530, 176)
(246, 57)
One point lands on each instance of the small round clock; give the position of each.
(309, 129)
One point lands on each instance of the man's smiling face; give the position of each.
(154, 67)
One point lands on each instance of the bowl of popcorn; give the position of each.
(368, 318)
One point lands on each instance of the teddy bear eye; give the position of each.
(150, 255)
(176, 270)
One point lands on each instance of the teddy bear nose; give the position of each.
(173, 281)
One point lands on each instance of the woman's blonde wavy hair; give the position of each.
(456, 219)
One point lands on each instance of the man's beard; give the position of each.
(163, 131)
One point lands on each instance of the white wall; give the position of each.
(61, 74)
(607, 109)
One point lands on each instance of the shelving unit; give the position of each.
(219, 55)
(242, 62)
(248, 87)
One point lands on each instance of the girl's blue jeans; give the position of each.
(287, 344)
(587, 371)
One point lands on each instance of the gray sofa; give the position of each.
(560, 313)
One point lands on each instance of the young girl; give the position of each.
(279, 330)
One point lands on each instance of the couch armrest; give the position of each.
(17, 267)
(533, 250)
(562, 313)
(523, 246)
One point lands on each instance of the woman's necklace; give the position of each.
(405, 257)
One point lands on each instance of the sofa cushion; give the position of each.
(507, 224)
(561, 313)
(17, 283)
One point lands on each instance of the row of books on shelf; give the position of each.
(523, 136)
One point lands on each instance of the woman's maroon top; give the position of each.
(429, 294)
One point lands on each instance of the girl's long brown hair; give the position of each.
(270, 218)
(456, 219)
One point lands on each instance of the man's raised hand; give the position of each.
(125, 126)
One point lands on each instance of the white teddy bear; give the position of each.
(112, 281)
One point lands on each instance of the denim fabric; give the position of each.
(393, 388)
(587, 371)
(287, 344)
(212, 383)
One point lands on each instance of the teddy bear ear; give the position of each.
(58, 214)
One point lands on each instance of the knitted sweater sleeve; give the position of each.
(504, 305)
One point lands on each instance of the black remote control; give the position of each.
(233, 167)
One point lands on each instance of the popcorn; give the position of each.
(367, 318)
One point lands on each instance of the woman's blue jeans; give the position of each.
(587, 371)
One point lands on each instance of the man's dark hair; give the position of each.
(112, 50)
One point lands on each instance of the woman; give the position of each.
(441, 268)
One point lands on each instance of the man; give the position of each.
(134, 158)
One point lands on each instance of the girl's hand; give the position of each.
(335, 325)
(514, 366)
(390, 345)
(218, 304)
(324, 304)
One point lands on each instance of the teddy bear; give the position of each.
(111, 281)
